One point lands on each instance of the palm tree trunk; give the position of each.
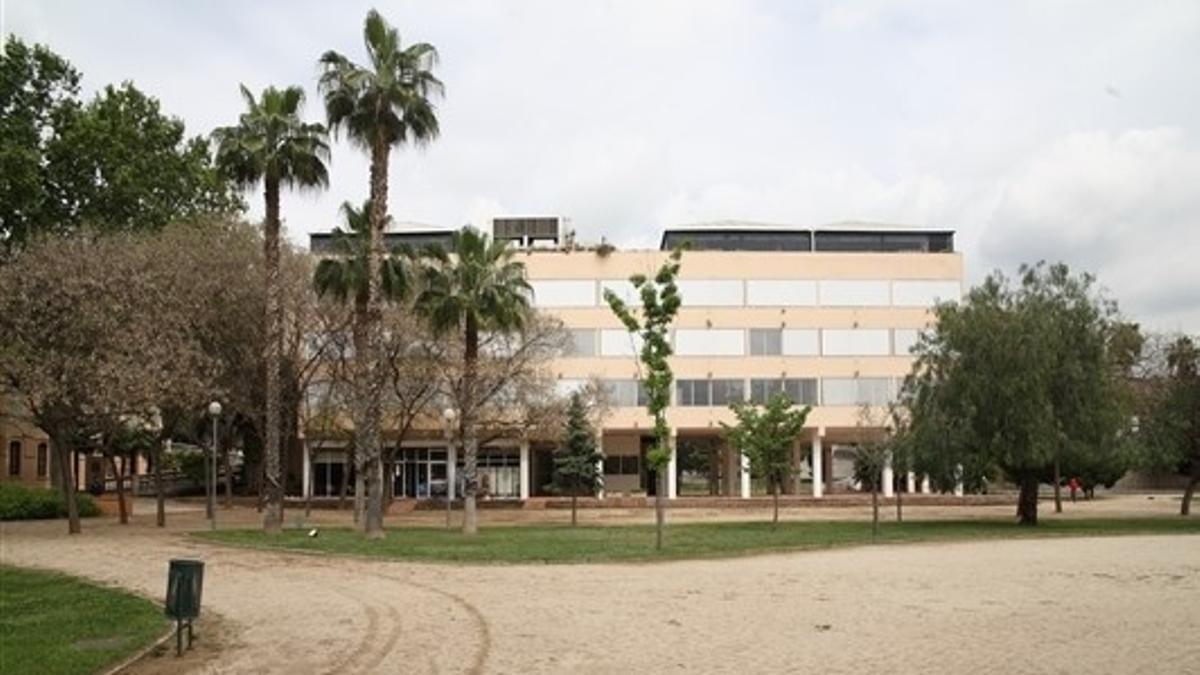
(470, 441)
(371, 445)
(273, 518)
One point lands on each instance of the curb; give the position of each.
(141, 654)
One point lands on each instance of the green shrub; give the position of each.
(18, 502)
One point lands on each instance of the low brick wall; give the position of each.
(789, 501)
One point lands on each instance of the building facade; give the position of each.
(826, 314)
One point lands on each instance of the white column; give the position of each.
(672, 488)
(888, 477)
(958, 484)
(818, 474)
(306, 470)
(910, 482)
(745, 477)
(600, 466)
(925, 489)
(451, 470)
(525, 468)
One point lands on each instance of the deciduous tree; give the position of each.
(766, 437)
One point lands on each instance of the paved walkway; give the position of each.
(1128, 604)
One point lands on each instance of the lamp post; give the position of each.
(451, 460)
(214, 411)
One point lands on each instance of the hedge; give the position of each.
(18, 502)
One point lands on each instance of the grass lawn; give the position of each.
(52, 623)
(562, 544)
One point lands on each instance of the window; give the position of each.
(619, 343)
(780, 293)
(801, 342)
(838, 293)
(621, 465)
(43, 460)
(710, 342)
(766, 341)
(627, 393)
(711, 292)
(725, 392)
(856, 391)
(855, 342)
(583, 342)
(564, 293)
(14, 458)
(692, 393)
(903, 340)
(924, 293)
(802, 391)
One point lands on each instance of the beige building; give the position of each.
(826, 314)
(25, 447)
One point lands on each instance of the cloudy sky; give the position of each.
(1040, 130)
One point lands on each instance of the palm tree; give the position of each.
(343, 276)
(474, 288)
(272, 145)
(382, 105)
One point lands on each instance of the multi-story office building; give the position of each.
(826, 314)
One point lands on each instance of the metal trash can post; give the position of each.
(185, 584)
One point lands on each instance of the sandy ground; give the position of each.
(1115, 605)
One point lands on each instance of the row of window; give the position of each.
(14, 459)
(720, 392)
(758, 292)
(753, 342)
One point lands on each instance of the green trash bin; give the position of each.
(185, 583)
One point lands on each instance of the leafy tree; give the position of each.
(272, 145)
(474, 290)
(576, 463)
(1016, 379)
(383, 105)
(116, 163)
(1170, 429)
(660, 303)
(766, 438)
(38, 88)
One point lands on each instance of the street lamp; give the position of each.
(214, 411)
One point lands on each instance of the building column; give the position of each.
(910, 482)
(925, 489)
(305, 470)
(958, 483)
(672, 478)
(451, 470)
(818, 459)
(745, 492)
(888, 477)
(600, 465)
(524, 468)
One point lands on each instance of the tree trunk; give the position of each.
(660, 508)
(371, 445)
(360, 494)
(1189, 493)
(1057, 488)
(574, 496)
(875, 511)
(775, 499)
(470, 442)
(122, 508)
(160, 497)
(67, 471)
(900, 502)
(273, 518)
(1027, 501)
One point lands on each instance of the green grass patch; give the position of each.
(52, 623)
(562, 544)
(18, 502)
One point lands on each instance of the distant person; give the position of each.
(1074, 485)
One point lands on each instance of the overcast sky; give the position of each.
(1041, 130)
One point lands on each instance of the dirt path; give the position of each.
(1129, 604)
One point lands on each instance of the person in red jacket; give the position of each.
(1074, 485)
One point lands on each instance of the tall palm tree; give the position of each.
(272, 145)
(474, 288)
(383, 105)
(343, 277)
